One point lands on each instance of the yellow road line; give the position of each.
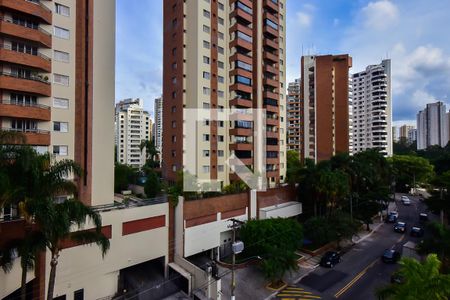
(300, 296)
(354, 280)
(296, 292)
(294, 288)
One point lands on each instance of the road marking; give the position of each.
(294, 288)
(354, 280)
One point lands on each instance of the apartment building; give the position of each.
(432, 126)
(224, 55)
(326, 121)
(133, 126)
(412, 136)
(158, 125)
(57, 87)
(294, 117)
(372, 109)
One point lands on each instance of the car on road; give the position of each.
(330, 259)
(405, 200)
(400, 227)
(423, 217)
(417, 231)
(391, 256)
(392, 217)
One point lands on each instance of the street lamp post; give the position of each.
(237, 247)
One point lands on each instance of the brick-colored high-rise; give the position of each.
(224, 54)
(325, 89)
(52, 79)
(294, 116)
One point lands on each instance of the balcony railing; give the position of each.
(26, 130)
(38, 78)
(24, 104)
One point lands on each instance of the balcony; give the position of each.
(237, 42)
(241, 14)
(37, 10)
(241, 147)
(270, 31)
(241, 132)
(241, 72)
(241, 87)
(273, 174)
(241, 102)
(35, 137)
(272, 147)
(24, 111)
(272, 122)
(37, 35)
(270, 69)
(271, 95)
(39, 61)
(241, 57)
(272, 161)
(271, 4)
(271, 17)
(270, 56)
(270, 82)
(33, 85)
(272, 134)
(272, 44)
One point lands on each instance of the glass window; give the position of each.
(206, 75)
(61, 126)
(244, 37)
(243, 65)
(244, 7)
(243, 80)
(61, 56)
(271, 24)
(206, 13)
(62, 10)
(61, 79)
(206, 60)
(206, 29)
(60, 150)
(61, 33)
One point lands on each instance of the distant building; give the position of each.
(395, 134)
(412, 135)
(158, 126)
(294, 116)
(404, 131)
(372, 109)
(133, 125)
(325, 90)
(432, 126)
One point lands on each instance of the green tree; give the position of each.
(123, 176)
(28, 250)
(410, 170)
(439, 201)
(151, 154)
(343, 227)
(56, 222)
(422, 281)
(293, 166)
(276, 241)
(437, 241)
(319, 231)
(152, 186)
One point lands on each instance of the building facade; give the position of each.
(372, 109)
(404, 131)
(224, 55)
(294, 116)
(412, 136)
(133, 126)
(158, 125)
(432, 126)
(326, 120)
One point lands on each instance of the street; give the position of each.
(361, 271)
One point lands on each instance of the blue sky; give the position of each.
(413, 33)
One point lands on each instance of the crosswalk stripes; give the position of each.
(295, 293)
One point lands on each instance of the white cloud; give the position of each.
(304, 19)
(380, 15)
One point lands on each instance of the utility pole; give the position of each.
(237, 248)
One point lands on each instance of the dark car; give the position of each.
(400, 227)
(330, 259)
(423, 217)
(392, 217)
(390, 256)
(417, 231)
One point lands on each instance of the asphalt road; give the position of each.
(361, 271)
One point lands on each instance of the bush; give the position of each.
(152, 186)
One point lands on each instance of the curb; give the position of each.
(368, 235)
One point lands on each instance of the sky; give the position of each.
(414, 34)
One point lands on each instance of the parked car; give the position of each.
(423, 217)
(417, 231)
(406, 201)
(391, 256)
(330, 259)
(400, 227)
(392, 217)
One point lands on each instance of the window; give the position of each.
(206, 13)
(205, 169)
(61, 33)
(61, 56)
(206, 60)
(221, 21)
(206, 75)
(221, 138)
(174, 22)
(174, 80)
(206, 45)
(205, 153)
(206, 91)
(174, 139)
(220, 79)
(61, 79)
(174, 124)
(244, 7)
(220, 168)
(220, 153)
(243, 65)
(60, 150)
(244, 36)
(220, 35)
(220, 64)
(221, 50)
(61, 126)
(62, 10)
(243, 80)
(205, 105)
(206, 137)
(206, 29)
(221, 94)
(221, 6)
(174, 168)
(174, 109)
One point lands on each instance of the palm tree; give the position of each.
(422, 281)
(28, 250)
(55, 221)
(150, 152)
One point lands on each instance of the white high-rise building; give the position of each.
(372, 109)
(158, 126)
(432, 126)
(133, 125)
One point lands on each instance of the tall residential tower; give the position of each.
(326, 118)
(220, 55)
(432, 126)
(294, 116)
(372, 109)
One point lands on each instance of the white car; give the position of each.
(406, 201)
